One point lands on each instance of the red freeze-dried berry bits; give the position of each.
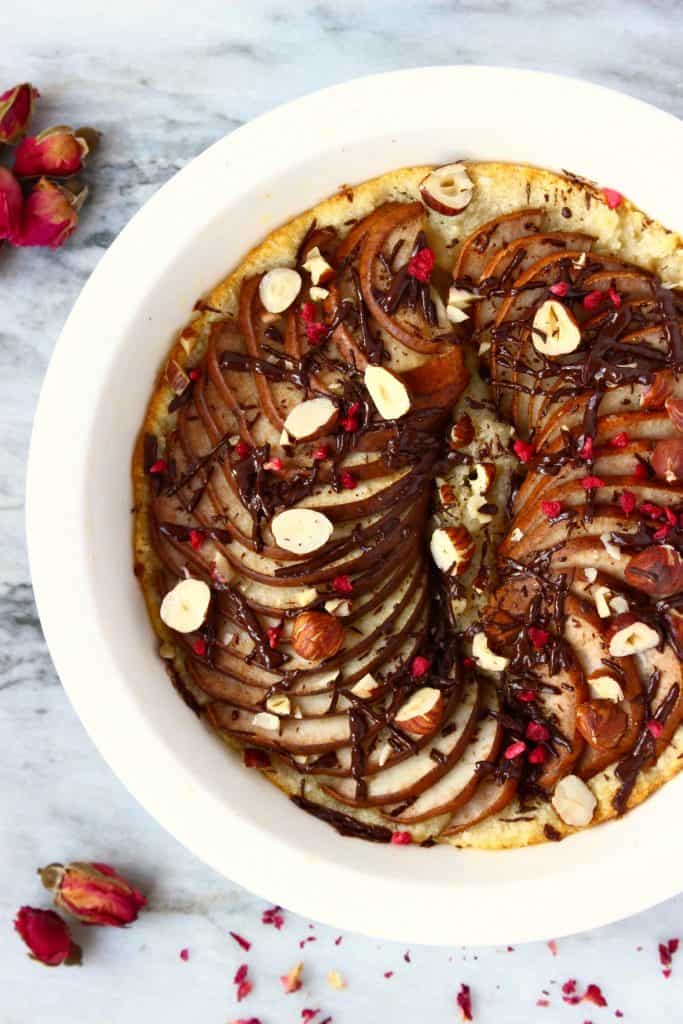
(537, 732)
(246, 945)
(585, 452)
(592, 300)
(419, 666)
(321, 453)
(524, 450)
(401, 839)
(158, 467)
(514, 750)
(527, 696)
(347, 480)
(539, 637)
(273, 634)
(464, 1001)
(308, 312)
(196, 539)
(421, 265)
(316, 332)
(612, 197)
(551, 509)
(590, 483)
(614, 297)
(627, 502)
(640, 472)
(199, 647)
(538, 755)
(619, 440)
(342, 584)
(274, 916)
(242, 449)
(654, 728)
(560, 289)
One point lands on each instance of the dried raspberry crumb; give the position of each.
(255, 758)
(388, 974)
(569, 987)
(354, 409)
(612, 197)
(321, 453)
(464, 1001)
(552, 946)
(245, 944)
(543, 1002)
(196, 539)
(199, 647)
(670, 516)
(614, 297)
(247, 1020)
(184, 954)
(194, 374)
(539, 638)
(406, 956)
(640, 472)
(537, 732)
(585, 452)
(538, 755)
(592, 300)
(309, 938)
(401, 839)
(551, 509)
(273, 634)
(468, 662)
(589, 483)
(338, 940)
(618, 1013)
(619, 440)
(308, 1015)
(524, 450)
(273, 916)
(243, 990)
(342, 584)
(662, 533)
(242, 449)
(308, 312)
(527, 696)
(654, 728)
(648, 508)
(347, 480)
(349, 424)
(560, 289)
(627, 502)
(421, 265)
(158, 467)
(419, 666)
(274, 465)
(514, 750)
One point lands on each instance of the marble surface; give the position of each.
(163, 80)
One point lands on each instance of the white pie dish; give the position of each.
(182, 242)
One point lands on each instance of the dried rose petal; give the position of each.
(16, 107)
(464, 1001)
(56, 151)
(11, 204)
(47, 937)
(49, 215)
(93, 892)
(421, 265)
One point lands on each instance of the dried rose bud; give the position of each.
(16, 107)
(93, 893)
(47, 936)
(49, 215)
(56, 151)
(11, 203)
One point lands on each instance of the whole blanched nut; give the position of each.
(317, 636)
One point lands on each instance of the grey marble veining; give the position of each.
(163, 80)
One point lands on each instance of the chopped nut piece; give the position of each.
(485, 657)
(184, 608)
(573, 801)
(279, 288)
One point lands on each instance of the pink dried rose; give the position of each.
(94, 893)
(11, 204)
(47, 937)
(16, 107)
(56, 151)
(50, 215)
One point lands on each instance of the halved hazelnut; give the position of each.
(365, 687)
(264, 720)
(301, 530)
(603, 686)
(555, 332)
(462, 431)
(573, 801)
(667, 460)
(311, 418)
(317, 636)
(184, 608)
(656, 570)
(447, 189)
(389, 394)
(628, 635)
(279, 704)
(485, 657)
(452, 549)
(317, 266)
(422, 712)
(459, 301)
(278, 289)
(601, 723)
